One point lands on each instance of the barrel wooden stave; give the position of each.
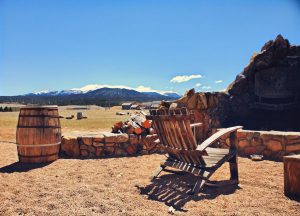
(38, 126)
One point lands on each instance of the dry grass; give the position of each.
(120, 186)
(98, 119)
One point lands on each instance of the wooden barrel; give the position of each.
(38, 134)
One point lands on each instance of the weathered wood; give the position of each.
(217, 136)
(38, 134)
(292, 176)
(157, 172)
(233, 165)
(174, 130)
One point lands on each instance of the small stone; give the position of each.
(84, 153)
(293, 148)
(85, 147)
(255, 141)
(131, 149)
(70, 146)
(171, 210)
(117, 138)
(87, 140)
(250, 150)
(91, 149)
(274, 145)
(99, 138)
(133, 139)
(242, 143)
(99, 152)
(109, 151)
(96, 144)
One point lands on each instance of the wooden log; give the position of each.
(147, 124)
(117, 127)
(292, 176)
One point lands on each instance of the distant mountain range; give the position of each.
(92, 94)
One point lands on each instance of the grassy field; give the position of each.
(97, 119)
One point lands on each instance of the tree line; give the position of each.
(6, 109)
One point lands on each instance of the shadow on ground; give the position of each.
(173, 190)
(22, 167)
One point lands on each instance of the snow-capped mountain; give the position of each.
(96, 89)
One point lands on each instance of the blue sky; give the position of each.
(63, 44)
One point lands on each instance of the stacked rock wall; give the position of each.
(270, 144)
(101, 145)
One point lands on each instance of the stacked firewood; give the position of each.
(137, 124)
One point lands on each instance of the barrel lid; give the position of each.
(39, 107)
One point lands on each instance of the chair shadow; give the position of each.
(22, 167)
(173, 190)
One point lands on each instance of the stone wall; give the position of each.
(101, 145)
(270, 144)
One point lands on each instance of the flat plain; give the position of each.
(121, 186)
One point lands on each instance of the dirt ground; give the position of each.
(121, 186)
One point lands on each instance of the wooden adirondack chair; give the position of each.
(174, 130)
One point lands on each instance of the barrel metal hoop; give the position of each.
(38, 126)
(38, 108)
(50, 116)
(37, 156)
(39, 145)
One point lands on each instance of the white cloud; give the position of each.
(180, 79)
(198, 84)
(206, 87)
(141, 88)
(218, 81)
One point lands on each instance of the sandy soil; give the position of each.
(120, 186)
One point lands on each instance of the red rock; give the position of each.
(133, 139)
(242, 144)
(293, 148)
(84, 153)
(99, 138)
(87, 140)
(99, 152)
(256, 141)
(70, 146)
(131, 149)
(85, 147)
(96, 144)
(116, 138)
(250, 150)
(274, 145)
(91, 149)
(109, 151)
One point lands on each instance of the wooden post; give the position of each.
(292, 176)
(234, 174)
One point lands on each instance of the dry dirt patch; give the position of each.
(120, 186)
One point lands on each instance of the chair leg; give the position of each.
(233, 165)
(157, 172)
(197, 187)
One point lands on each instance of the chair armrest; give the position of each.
(217, 136)
(199, 124)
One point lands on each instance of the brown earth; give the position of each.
(121, 186)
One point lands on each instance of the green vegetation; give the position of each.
(6, 109)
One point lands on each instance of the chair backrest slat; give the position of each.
(173, 128)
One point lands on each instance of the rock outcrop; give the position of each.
(236, 105)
